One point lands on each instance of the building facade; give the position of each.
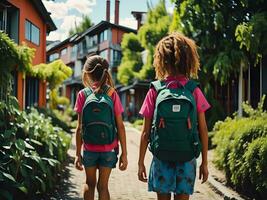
(103, 39)
(27, 21)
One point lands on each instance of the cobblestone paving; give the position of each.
(124, 185)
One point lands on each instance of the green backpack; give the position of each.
(98, 117)
(174, 133)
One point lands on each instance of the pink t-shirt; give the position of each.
(118, 110)
(148, 107)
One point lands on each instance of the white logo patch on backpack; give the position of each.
(176, 108)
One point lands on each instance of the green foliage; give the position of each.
(57, 119)
(251, 35)
(84, 25)
(242, 151)
(155, 27)
(130, 43)
(55, 73)
(131, 61)
(210, 24)
(12, 57)
(31, 152)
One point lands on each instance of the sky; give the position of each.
(65, 13)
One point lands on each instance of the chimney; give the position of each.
(117, 11)
(108, 11)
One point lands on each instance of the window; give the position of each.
(103, 36)
(73, 52)
(3, 19)
(63, 52)
(104, 54)
(32, 32)
(32, 92)
(91, 41)
(53, 57)
(115, 57)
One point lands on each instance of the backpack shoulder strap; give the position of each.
(191, 85)
(87, 91)
(158, 85)
(108, 90)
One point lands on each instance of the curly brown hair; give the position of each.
(176, 54)
(95, 69)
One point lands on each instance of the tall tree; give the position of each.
(131, 61)
(229, 34)
(214, 24)
(85, 24)
(155, 27)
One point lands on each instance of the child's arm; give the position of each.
(123, 162)
(203, 132)
(142, 151)
(78, 157)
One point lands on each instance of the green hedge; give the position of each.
(241, 151)
(55, 120)
(32, 151)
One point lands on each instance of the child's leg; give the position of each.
(164, 196)
(89, 187)
(102, 184)
(181, 197)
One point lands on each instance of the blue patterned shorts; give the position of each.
(172, 177)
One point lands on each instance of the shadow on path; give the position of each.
(66, 188)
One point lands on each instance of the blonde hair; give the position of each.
(96, 69)
(176, 54)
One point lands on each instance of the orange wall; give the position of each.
(28, 11)
(117, 36)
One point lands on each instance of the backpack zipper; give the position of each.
(161, 123)
(98, 123)
(189, 125)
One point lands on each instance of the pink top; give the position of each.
(148, 107)
(118, 110)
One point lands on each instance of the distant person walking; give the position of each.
(174, 121)
(99, 128)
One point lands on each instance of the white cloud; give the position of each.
(58, 10)
(62, 11)
(54, 35)
(128, 22)
(69, 22)
(82, 6)
(63, 31)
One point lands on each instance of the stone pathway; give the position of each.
(124, 185)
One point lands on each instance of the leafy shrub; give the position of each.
(56, 118)
(241, 151)
(31, 152)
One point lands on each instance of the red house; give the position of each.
(27, 21)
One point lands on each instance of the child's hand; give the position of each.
(142, 173)
(123, 162)
(203, 172)
(78, 163)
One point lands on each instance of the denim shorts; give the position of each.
(100, 159)
(172, 177)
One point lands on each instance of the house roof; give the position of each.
(38, 4)
(101, 26)
(60, 44)
(92, 30)
(134, 85)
